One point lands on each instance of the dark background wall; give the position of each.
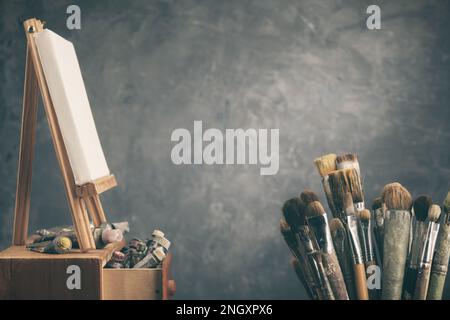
(309, 68)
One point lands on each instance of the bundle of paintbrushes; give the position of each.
(397, 250)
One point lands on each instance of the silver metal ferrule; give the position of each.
(430, 243)
(366, 240)
(319, 226)
(359, 206)
(352, 228)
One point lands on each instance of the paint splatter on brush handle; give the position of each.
(335, 276)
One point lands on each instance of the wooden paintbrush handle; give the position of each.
(423, 278)
(360, 282)
(335, 276)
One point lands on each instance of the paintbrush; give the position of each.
(426, 258)
(358, 262)
(342, 248)
(420, 207)
(326, 164)
(338, 189)
(294, 213)
(353, 181)
(306, 278)
(441, 256)
(378, 213)
(365, 228)
(396, 237)
(318, 223)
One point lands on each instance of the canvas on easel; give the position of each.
(52, 69)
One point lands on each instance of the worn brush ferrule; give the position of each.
(430, 243)
(366, 239)
(359, 206)
(379, 217)
(304, 237)
(419, 238)
(355, 245)
(319, 226)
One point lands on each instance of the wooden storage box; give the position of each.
(31, 275)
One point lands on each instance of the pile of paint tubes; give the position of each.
(141, 254)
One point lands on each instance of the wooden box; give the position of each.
(31, 275)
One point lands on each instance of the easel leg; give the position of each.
(96, 210)
(27, 141)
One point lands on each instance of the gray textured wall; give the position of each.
(310, 68)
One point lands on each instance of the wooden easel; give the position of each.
(82, 199)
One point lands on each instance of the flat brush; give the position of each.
(423, 276)
(378, 213)
(358, 262)
(338, 188)
(396, 239)
(294, 213)
(367, 247)
(306, 278)
(420, 208)
(318, 223)
(441, 256)
(342, 248)
(353, 181)
(326, 164)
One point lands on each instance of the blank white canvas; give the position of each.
(62, 72)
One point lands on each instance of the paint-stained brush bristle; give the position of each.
(421, 205)
(377, 203)
(336, 224)
(347, 161)
(434, 213)
(315, 208)
(364, 215)
(354, 184)
(446, 203)
(293, 212)
(338, 188)
(325, 164)
(348, 204)
(308, 196)
(396, 197)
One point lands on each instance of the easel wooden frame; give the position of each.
(82, 199)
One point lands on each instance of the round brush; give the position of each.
(396, 239)
(342, 248)
(294, 213)
(423, 275)
(318, 223)
(358, 262)
(365, 224)
(420, 207)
